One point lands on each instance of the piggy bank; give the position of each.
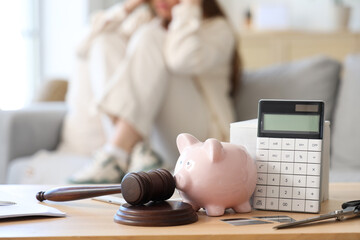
(214, 175)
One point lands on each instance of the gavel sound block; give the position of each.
(137, 189)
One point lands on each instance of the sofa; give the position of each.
(36, 129)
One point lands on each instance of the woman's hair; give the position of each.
(212, 9)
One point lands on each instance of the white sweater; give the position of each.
(203, 50)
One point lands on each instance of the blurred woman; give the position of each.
(159, 70)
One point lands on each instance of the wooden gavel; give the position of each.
(136, 188)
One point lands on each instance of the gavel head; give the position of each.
(142, 187)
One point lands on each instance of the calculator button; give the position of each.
(275, 143)
(313, 181)
(301, 156)
(300, 168)
(272, 203)
(313, 169)
(312, 193)
(272, 191)
(285, 204)
(288, 176)
(314, 157)
(299, 193)
(287, 168)
(312, 206)
(263, 143)
(288, 144)
(260, 191)
(298, 205)
(262, 154)
(315, 145)
(273, 179)
(261, 166)
(261, 178)
(259, 202)
(286, 180)
(286, 192)
(287, 156)
(301, 144)
(299, 181)
(274, 155)
(274, 167)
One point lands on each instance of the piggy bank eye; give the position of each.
(180, 163)
(189, 164)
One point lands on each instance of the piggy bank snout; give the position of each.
(180, 181)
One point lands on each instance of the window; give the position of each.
(19, 48)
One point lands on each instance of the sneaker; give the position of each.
(103, 169)
(143, 158)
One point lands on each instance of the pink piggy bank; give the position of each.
(214, 175)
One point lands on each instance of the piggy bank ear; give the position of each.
(214, 149)
(183, 140)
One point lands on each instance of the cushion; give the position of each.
(346, 134)
(53, 91)
(314, 78)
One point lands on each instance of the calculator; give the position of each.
(288, 155)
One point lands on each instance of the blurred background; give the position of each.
(279, 42)
(38, 37)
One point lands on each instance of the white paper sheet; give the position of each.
(27, 210)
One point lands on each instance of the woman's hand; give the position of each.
(131, 5)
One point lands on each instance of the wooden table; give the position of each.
(92, 219)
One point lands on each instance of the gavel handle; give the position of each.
(77, 192)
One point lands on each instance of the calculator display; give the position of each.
(291, 123)
(291, 119)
